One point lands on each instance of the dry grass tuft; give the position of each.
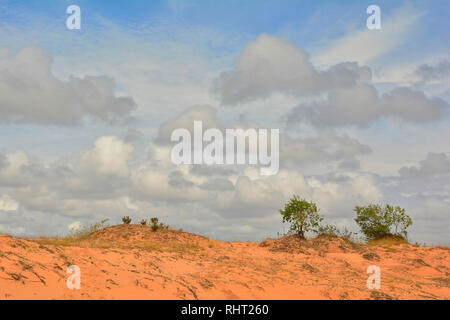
(128, 237)
(388, 241)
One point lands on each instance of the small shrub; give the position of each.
(328, 229)
(143, 222)
(333, 231)
(156, 225)
(418, 244)
(377, 222)
(388, 240)
(302, 215)
(126, 220)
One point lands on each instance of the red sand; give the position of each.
(131, 262)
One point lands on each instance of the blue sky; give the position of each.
(307, 23)
(166, 58)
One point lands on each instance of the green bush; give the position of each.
(376, 221)
(126, 220)
(143, 222)
(156, 225)
(302, 215)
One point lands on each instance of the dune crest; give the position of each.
(132, 262)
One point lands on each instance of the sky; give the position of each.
(85, 115)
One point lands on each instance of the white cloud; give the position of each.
(434, 72)
(207, 114)
(327, 146)
(154, 184)
(8, 204)
(29, 92)
(271, 64)
(362, 105)
(15, 161)
(110, 156)
(110, 180)
(344, 94)
(74, 225)
(434, 164)
(201, 203)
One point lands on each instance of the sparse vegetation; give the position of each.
(378, 222)
(75, 237)
(85, 231)
(122, 237)
(375, 221)
(333, 231)
(126, 220)
(302, 215)
(388, 240)
(156, 225)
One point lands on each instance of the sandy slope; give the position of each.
(131, 262)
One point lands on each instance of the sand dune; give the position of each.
(131, 262)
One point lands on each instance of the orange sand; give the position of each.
(131, 262)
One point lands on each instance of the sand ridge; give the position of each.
(132, 262)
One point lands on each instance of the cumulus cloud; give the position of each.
(424, 190)
(326, 146)
(362, 105)
(342, 95)
(109, 181)
(217, 184)
(434, 164)
(201, 200)
(162, 184)
(271, 64)
(17, 169)
(8, 204)
(110, 156)
(211, 171)
(432, 72)
(30, 93)
(185, 120)
(104, 182)
(99, 183)
(256, 196)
